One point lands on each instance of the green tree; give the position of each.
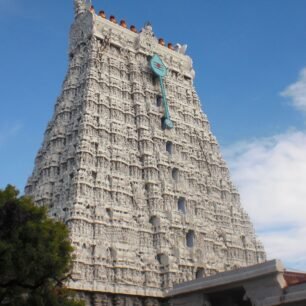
(35, 254)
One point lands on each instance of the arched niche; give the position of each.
(109, 212)
(159, 100)
(200, 273)
(155, 221)
(111, 255)
(190, 237)
(162, 259)
(175, 174)
(169, 147)
(181, 205)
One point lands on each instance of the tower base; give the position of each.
(107, 299)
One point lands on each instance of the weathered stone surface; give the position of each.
(100, 299)
(147, 208)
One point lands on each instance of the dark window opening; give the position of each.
(158, 258)
(200, 273)
(175, 174)
(111, 255)
(190, 239)
(169, 147)
(181, 205)
(109, 212)
(154, 221)
(159, 100)
(162, 259)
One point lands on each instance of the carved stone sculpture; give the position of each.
(147, 207)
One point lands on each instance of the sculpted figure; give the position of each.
(79, 6)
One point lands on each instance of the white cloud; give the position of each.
(297, 92)
(287, 244)
(271, 176)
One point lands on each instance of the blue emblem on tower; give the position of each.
(160, 70)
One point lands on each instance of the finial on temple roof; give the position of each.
(80, 6)
(148, 26)
(180, 48)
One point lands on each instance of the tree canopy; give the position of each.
(35, 254)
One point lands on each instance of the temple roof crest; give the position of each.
(80, 6)
(147, 39)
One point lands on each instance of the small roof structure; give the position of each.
(265, 284)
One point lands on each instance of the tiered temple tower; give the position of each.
(147, 205)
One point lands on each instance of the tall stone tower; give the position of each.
(148, 204)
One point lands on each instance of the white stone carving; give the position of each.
(180, 49)
(80, 6)
(104, 170)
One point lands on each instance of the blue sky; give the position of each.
(249, 58)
